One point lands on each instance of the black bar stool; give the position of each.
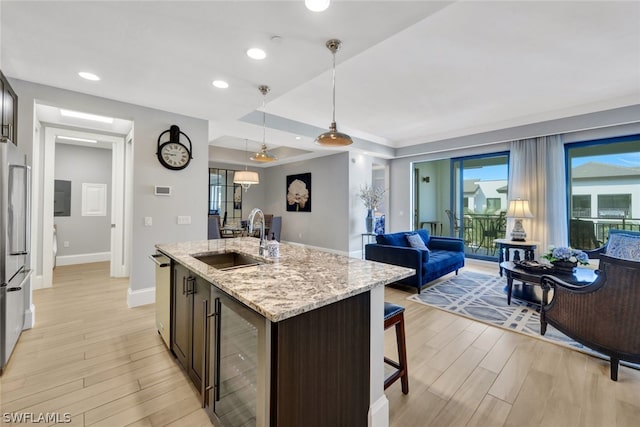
(394, 315)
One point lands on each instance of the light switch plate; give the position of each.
(184, 220)
(148, 221)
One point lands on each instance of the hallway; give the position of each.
(93, 358)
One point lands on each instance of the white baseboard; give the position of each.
(29, 317)
(83, 258)
(379, 412)
(37, 282)
(141, 297)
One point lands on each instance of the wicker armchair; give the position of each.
(603, 315)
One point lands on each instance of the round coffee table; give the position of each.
(530, 289)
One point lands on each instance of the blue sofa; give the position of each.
(444, 255)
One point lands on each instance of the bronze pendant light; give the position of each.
(333, 138)
(263, 156)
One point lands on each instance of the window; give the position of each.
(493, 205)
(225, 197)
(604, 187)
(581, 206)
(614, 205)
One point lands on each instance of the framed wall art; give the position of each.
(299, 192)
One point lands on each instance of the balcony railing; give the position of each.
(590, 232)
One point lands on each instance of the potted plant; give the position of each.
(565, 259)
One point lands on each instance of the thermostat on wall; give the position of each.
(161, 190)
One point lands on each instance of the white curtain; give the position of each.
(537, 174)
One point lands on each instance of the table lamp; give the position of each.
(518, 209)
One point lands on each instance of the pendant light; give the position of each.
(263, 156)
(333, 138)
(246, 177)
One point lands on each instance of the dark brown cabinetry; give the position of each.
(8, 112)
(190, 299)
(308, 370)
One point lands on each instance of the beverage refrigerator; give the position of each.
(14, 246)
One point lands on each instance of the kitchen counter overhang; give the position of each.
(300, 280)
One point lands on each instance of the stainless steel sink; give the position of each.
(228, 260)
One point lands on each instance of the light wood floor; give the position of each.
(104, 364)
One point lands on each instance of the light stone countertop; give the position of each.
(300, 280)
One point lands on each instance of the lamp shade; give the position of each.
(246, 178)
(333, 138)
(263, 156)
(519, 209)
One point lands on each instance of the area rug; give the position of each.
(482, 297)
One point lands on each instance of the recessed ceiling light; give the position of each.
(317, 5)
(88, 76)
(298, 137)
(220, 84)
(86, 116)
(255, 53)
(73, 138)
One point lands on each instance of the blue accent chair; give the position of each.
(443, 255)
(595, 253)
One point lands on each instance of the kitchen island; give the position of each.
(296, 340)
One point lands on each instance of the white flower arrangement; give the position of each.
(371, 197)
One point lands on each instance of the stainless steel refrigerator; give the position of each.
(14, 246)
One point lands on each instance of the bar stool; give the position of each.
(394, 315)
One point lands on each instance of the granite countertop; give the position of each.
(300, 280)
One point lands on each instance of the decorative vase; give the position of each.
(369, 221)
(564, 267)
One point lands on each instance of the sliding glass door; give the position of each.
(604, 189)
(479, 201)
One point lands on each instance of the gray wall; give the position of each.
(85, 234)
(326, 226)
(188, 185)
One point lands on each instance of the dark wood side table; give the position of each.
(433, 227)
(504, 245)
(531, 290)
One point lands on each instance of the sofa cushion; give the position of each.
(393, 239)
(415, 241)
(424, 234)
(625, 246)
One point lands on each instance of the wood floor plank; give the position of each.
(463, 404)
(451, 380)
(511, 377)
(491, 412)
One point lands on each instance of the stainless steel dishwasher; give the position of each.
(163, 296)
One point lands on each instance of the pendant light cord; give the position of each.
(264, 123)
(246, 153)
(334, 88)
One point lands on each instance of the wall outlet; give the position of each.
(148, 221)
(184, 220)
(65, 244)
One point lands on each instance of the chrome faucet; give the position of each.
(263, 240)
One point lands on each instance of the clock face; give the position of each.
(174, 155)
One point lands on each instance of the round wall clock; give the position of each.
(173, 154)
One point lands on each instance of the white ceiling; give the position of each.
(408, 73)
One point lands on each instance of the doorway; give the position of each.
(117, 219)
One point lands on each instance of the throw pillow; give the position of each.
(624, 246)
(415, 241)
